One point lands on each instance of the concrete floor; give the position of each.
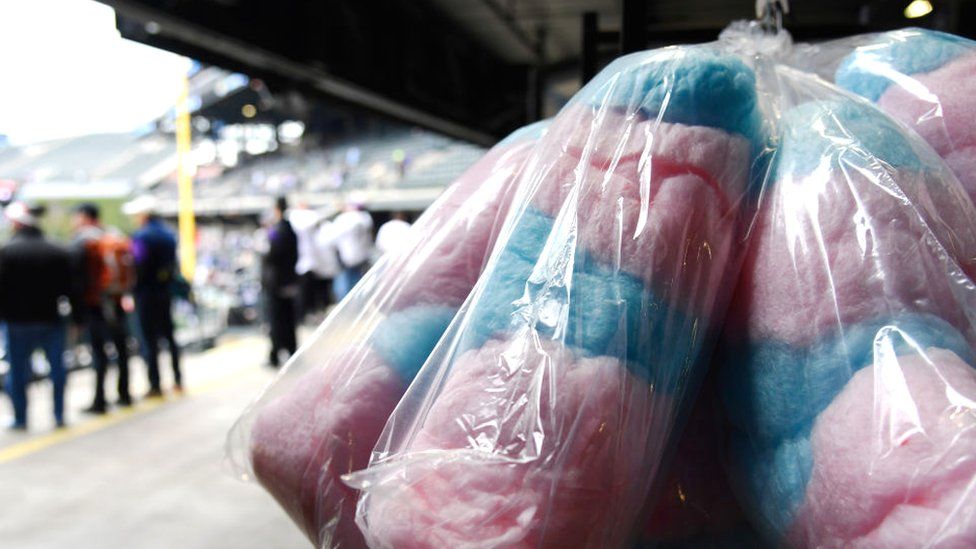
(150, 477)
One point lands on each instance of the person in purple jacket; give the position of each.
(154, 254)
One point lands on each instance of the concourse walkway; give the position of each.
(152, 476)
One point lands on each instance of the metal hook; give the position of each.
(770, 13)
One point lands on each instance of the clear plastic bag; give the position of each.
(923, 78)
(323, 414)
(846, 362)
(543, 416)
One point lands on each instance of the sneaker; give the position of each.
(154, 393)
(17, 426)
(60, 424)
(124, 402)
(95, 409)
(178, 389)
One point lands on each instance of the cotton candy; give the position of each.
(845, 238)
(774, 390)
(460, 231)
(692, 85)
(308, 432)
(859, 264)
(942, 109)
(543, 421)
(405, 338)
(649, 177)
(926, 80)
(868, 70)
(608, 313)
(696, 507)
(554, 475)
(326, 426)
(895, 458)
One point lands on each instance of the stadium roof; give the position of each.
(473, 69)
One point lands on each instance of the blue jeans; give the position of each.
(23, 338)
(346, 280)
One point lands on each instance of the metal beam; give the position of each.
(318, 79)
(633, 26)
(589, 50)
(536, 81)
(511, 23)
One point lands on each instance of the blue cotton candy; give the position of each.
(907, 333)
(694, 86)
(773, 480)
(405, 338)
(909, 51)
(600, 311)
(763, 389)
(773, 391)
(841, 134)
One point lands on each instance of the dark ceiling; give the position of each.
(473, 69)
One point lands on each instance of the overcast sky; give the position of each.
(65, 71)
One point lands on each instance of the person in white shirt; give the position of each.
(352, 235)
(314, 294)
(393, 235)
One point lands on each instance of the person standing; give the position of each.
(154, 255)
(280, 282)
(35, 275)
(104, 274)
(352, 232)
(327, 261)
(393, 235)
(305, 222)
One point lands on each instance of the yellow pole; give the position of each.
(184, 174)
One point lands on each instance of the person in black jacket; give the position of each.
(34, 278)
(154, 254)
(280, 283)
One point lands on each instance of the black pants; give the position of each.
(106, 323)
(156, 320)
(281, 317)
(316, 294)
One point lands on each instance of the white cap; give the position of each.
(18, 212)
(144, 204)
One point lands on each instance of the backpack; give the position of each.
(111, 266)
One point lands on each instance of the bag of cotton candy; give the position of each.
(846, 363)
(321, 418)
(542, 418)
(923, 78)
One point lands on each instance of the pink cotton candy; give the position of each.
(894, 458)
(452, 242)
(660, 200)
(324, 427)
(941, 107)
(527, 445)
(840, 246)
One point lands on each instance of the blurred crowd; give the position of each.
(90, 287)
(113, 289)
(313, 261)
